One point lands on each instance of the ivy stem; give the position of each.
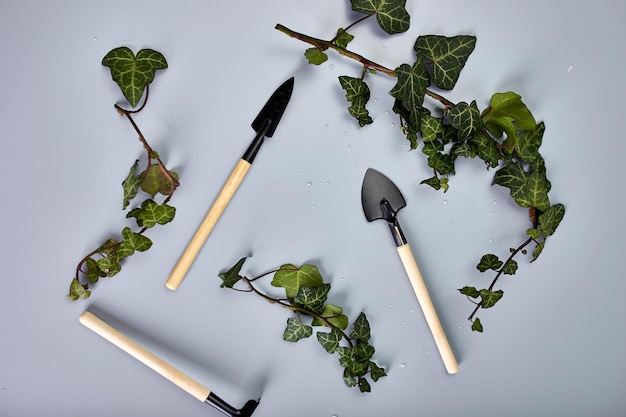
(350, 26)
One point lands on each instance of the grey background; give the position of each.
(554, 345)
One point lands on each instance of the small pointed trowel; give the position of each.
(381, 199)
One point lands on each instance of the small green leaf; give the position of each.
(77, 290)
(470, 292)
(534, 233)
(296, 330)
(358, 94)
(315, 56)
(489, 261)
(510, 267)
(465, 118)
(156, 181)
(231, 277)
(329, 341)
(448, 56)
(538, 250)
(133, 73)
(437, 183)
(343, 38)
(489, 298)
(391, 15)
(312, 299)
(551, 218)
(334, 315)
(376, 372)
(364, 385)
(477, 325)
(411, 88)
(131, 185)
(361, 328)
(290, 277)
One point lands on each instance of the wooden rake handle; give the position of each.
(219, 205)
(408, 260)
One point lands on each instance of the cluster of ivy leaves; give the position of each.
(306, 295)
(504, 135)
(133, 73)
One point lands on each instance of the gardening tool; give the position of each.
(381, 199)
(166, 370)
(264, 125)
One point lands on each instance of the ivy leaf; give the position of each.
(470, 292)
(508, 114)
(315, 56)
(135, 241)
(334, 315)
(231, 277)
(410, 88)
(448, 56)
(291, 278)
(437, 183)
(109, 265)
(358, 94)
(343, 38)
(376, 372)
(551, 218)
(329, 341)
(93, 270)
(391, 15)
(529, 143)
(489, 261)
(443, 163)
(430, 127)
(364, 351)
(489, 298)
(151, 213)
(296, 330)
(534, 233)
(359, 368)
(133, 73)
(477, 325)
(77, 290)
(465, 118)
(131, 185)
(361, 328)
(510, 267)
(528, 189)
(486, 148)
(538, 250)
(312, 299)
(345, 355)
(348, 378)
(156, 181)
(364, 385)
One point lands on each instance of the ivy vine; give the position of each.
(504, 135)
(133, 74)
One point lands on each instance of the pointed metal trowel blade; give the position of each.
(377, 192)
(274, 109)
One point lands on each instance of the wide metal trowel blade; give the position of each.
(376, 190)
(274, 108)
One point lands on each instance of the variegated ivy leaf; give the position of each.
(510, 267)
(296, 330)
(391, 15)
(410, 88)
(151, 213)
(486, 148)
(77, 290)
(437, 183)
(131, 185)
(376, 371)
(551, 218)
(136, 241)
(361, 328)
(470, 291)
(447, 55)
(312, 299)
(358, 94)
(489, 261)
(442, 163)
(133, 73)
(529, 143)
(232, 276)
(465, 118)
(334, 315)
(528, 189)
(329, 340)
(291, 278)
(490, 298)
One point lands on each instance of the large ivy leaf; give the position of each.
(390, 14)
(291, 278)
(232, 276)
(528, 189)
(465, 118)
(296, 330)
(551, 218)
(358, 94)
(447, 55)
(361, 328)
(133, 73)
(312, 299)
(411, 87)
(329, 340)
(131, 185)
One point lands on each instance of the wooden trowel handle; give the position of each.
(408, 260)
(166, 370)
(201, 235)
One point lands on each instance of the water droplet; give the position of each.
(326, 183)
(569, 69)
(491, 240)
(390, 306)
(450, 224)
(444, 202)
(349, 146)
(331, 66)
(495, 202)
(355, 165)
(402, 366)
(386, 113)
(334, 415)
(95, 39)
(345, 133)
(491, 214)
(375, 100)
(412, 310)
(313, 206)
(325, 126)
(4, 389)
(308, 184)
(391, 125)
(404, 323)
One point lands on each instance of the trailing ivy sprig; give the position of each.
(133, 74)
(306, 294)
(505, 135)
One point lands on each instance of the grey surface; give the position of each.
(554, 346)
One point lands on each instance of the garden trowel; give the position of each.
(381, 199)
(264, 125)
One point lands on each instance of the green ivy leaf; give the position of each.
(430, 127)
(477, 325)
(296, 330)
(315, 56)
(510, 267)
(508, 114)
(156, 181)
(348, 378)
(486, 148)
(345, 355)
(443, 163)
(93, 270)
(437, 183)
(534, 233)
(359, 368)
(109, 265)
(528, 189)
(231, 277)
(361, 328)
(551, 218)
(409, 127)
(334, 315)
(410, 89)
(329, 341)
(538, 250)
(529, 143)
(291, 278)
(470, 292)
(312, 299)
(131, 185)
(135, 241)
(358, 94)
(391, 15)
(77, 290)
(489, 298)
(364, 385)
(465, 118)
(133, 73)
(376, 372)
(364, 351)
(343, 38)
(489, 261)
(151, 213)
(448, 56)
